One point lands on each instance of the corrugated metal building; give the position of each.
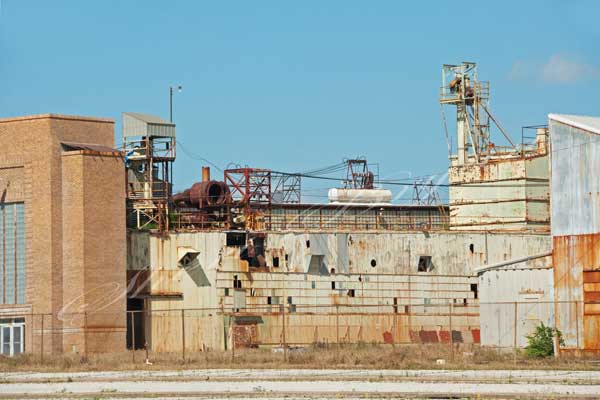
(576, 227)
(516, 296)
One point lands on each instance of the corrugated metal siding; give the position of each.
(576, 266)
(576, 233)
(500, 289)
(135, 125)
(575, 183)
(159, 130)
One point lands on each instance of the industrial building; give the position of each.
(62, 184)
(247, 258)
(98, 253)
(576, 228)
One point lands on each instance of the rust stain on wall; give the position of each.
(577, 278)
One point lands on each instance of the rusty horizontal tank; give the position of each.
(208, 193)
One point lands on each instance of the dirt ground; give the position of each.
(345, 357)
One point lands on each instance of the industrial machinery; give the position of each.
(491, 186)
(359, 187)
(462, 89)
(243, 199)
(149, 147)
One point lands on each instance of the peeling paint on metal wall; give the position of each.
(501, 194)
(381, 280)
(576, 233)
(576, 270)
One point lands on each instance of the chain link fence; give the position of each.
(502, 326)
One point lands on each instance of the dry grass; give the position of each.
(346, 356)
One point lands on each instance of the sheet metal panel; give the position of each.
(576, 275)
(575, 183)
(576, 230)
(136, 124)
(500, 289)
(501, 194)
(375, 293)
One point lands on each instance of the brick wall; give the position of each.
(32, 145)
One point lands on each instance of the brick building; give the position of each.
(62, 235)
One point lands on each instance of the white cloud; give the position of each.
(560, 68)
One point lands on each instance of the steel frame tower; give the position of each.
(462, 89)
(149, 147)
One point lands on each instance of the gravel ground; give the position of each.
(325, 384)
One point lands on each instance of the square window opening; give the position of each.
(474, 290)
(425, 264)
(237, 239)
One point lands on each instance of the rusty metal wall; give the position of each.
(577, 279)
(510, 193)
(374, 273)
(354, 218)
(576, 230)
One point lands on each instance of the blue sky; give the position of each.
(293, 86)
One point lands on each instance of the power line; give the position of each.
(318, 173)
(197, 157)
(396, 183)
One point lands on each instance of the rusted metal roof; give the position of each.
(69, 146)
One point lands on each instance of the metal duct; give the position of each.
(204, 194)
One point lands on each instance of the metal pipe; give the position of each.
(205, 174)
(506, 135)
(515, 319)
(484, 268)
(182, 334)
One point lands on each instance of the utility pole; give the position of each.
(171, 89)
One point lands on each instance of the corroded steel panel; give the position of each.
(509, 193)
(375, 275)
(576, 231)
(591, 310)
(245, 336)
(576, 275)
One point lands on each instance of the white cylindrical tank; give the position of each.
(359, 196)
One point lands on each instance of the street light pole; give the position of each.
(179, 88)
